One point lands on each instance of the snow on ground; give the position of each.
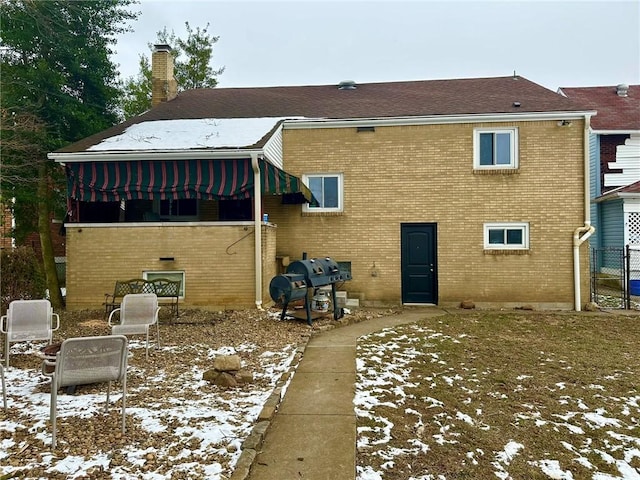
(383, 381)
(205, 424)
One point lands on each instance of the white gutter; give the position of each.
(257, 209)
(611, 195)
(108, 155)
(432, 119)
(581, 234)
(616, 132)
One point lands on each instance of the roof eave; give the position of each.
(436, 119)
(616, 195)
(124, 155)
(109, 155)
(601, 131)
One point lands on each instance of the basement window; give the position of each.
(172, 275)
(506, 236)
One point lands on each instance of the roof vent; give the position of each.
(622, 89)
(347, 85)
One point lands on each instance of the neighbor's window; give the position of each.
(327, 188)
(495, 148)
(506, 236)
(168, 274)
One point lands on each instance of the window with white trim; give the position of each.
(173, 275)
(506, 236)
(327, 189)
(495, 148)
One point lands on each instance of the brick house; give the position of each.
(32, 240)
(431, 192)
(6, 226)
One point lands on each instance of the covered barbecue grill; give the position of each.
(303, 275)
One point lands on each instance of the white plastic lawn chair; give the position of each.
(138, 313)
(86, 360)
(4, 387)
(28, 320)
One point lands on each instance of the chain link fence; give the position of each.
(615, 277)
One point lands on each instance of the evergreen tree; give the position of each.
(57, 85)
(192, 68)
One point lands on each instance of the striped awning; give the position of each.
(178, 179)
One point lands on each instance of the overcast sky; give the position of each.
(303, 42)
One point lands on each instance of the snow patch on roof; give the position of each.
(190, 134)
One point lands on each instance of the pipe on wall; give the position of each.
(257, 209)
(582, 233)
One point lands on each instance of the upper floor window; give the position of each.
(327, 188)
(495, 148)
(506, 236)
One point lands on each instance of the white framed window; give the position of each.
(328, 190)
(495, 148)
(506, 236)
(168, 274)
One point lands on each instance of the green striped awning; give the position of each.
(177, 179)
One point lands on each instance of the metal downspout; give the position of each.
(257, 213)
(581, 234)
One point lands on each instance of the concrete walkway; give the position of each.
(313, 434)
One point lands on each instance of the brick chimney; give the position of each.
(163, 85)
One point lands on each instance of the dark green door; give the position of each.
(419, 268)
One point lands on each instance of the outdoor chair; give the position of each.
(86, 360)
(28, 320)
(169, 290)
(138, 313)
(4, 387)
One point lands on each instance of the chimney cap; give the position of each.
(161, 47)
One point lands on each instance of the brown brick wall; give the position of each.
(218, 261)
(58, 240)
(608, 146)
(5, 227)
(425, 174)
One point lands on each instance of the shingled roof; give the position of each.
(615, 112)
(475, 96)
(632, 190)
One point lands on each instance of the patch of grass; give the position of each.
(562, 388)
